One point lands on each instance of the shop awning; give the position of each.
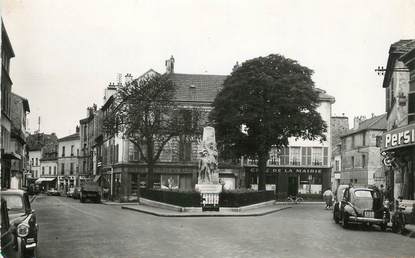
(44, 179)
(96, 178)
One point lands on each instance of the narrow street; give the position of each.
(69, 228)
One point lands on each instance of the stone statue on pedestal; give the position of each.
(208, 158)
(208, 175)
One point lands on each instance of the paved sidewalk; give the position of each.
(222, 213)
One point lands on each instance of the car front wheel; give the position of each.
(345, 222)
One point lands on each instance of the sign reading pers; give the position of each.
(400, 137)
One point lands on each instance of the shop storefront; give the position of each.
(398, 149)
(123, 181)
(291, 180)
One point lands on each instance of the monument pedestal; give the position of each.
(209, 194)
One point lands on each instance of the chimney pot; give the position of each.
(170, 65)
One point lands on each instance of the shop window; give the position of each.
(295, 156)
(170, 182)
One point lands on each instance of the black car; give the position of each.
(23, 219)
(362, 205)
(8, 241)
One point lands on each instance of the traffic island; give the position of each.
(168, 210)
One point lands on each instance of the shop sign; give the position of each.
(400, 137)
(300, 170)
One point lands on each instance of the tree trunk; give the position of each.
(150, 175)
(262, 165)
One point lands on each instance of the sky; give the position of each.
(68, 51)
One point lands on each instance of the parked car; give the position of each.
(53, 192)
(23, 219)
(76, 192)
(8, 241)
(70, 192)
(362, 205)
(90, 191)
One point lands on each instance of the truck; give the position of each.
(91, 191)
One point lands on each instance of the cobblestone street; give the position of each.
(72, 229)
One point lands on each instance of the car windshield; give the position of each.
(363, 194)
(14, 202)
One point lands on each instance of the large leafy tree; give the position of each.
(263, 103)
(146, 112)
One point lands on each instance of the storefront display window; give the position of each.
(170, 182)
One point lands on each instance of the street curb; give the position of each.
(293, 203)
(213, 214)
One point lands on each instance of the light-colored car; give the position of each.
(70, 192)
(53, 192)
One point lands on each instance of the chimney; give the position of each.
(356, 121)
(77, 129)
(128, 78)
(373, 115)
(170, 65)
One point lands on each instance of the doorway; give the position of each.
(292, 185)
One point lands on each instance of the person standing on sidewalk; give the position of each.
(328, 198)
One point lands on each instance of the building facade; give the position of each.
(360, 155)
(19, 110)
(68, 167)
(302, 167)
(42, 149)
(7, 154)
(340, 126)
(398, 143)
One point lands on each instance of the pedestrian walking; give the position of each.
(328, 198)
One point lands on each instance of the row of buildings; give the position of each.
(349, 155)
(14, 109)
(115, 163)
(381, 150)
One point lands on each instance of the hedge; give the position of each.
(238, 198)
(235, 198)
(179, 198)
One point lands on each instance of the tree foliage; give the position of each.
(263, 103)
(146, 113)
